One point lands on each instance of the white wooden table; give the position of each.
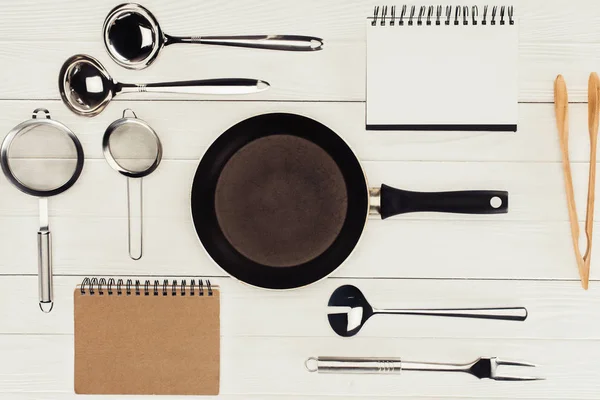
(420, 260)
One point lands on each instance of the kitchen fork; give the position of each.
(482, 368)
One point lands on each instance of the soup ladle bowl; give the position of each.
(86, 87)
(133, 38)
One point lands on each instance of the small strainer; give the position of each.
(132, 148)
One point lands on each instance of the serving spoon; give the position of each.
(351, 310)
(87, 88)
(133, 38)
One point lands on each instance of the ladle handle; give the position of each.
(206, 86)
(268, 42)
(505, 313)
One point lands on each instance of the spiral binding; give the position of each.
(437, 15)
(112, 287)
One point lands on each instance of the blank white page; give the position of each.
(442, 77)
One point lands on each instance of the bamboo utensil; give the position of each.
(593, 110)
(561, 107)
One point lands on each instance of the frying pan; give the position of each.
(279, 201)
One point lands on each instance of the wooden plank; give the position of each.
(531, 241)
(335, 74)
(247, 361)
(267, 335)
(560, 22)
(536, 191)
(187, 129)
(388, 249)
(292, 75)
(73, 396)
(557, 310)
(392, 248)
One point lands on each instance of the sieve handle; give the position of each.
(44, 240)
(134, 217)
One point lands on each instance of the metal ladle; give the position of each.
(133, 38)
(356, 310)
(87, 88)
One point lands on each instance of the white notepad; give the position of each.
(442, 77)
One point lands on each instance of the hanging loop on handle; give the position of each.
(38, 110)
(131, 111)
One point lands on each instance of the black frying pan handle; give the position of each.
(397, 201)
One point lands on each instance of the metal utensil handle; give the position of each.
(371, 365)
(349, 365)
(397, 201)
(505, 313)
(268, 42)
(135, 207)
(206, 86)
(44, 240)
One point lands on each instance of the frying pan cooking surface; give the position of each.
(281, 200)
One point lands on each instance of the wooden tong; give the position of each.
(561, 107)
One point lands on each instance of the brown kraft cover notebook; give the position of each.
(135, 337)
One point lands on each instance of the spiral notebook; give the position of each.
(442, 68)
(152, 337)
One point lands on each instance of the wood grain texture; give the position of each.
(420, 260)
(187, 129)
(552, 38)
(247, 360)
(563, 22)
(388, 249)
(292, 76)
(73, 396)
(304, 311)
(561, 108)
(89, 225)
(593, 111)
(535, 189)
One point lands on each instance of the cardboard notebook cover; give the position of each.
(147, 344)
